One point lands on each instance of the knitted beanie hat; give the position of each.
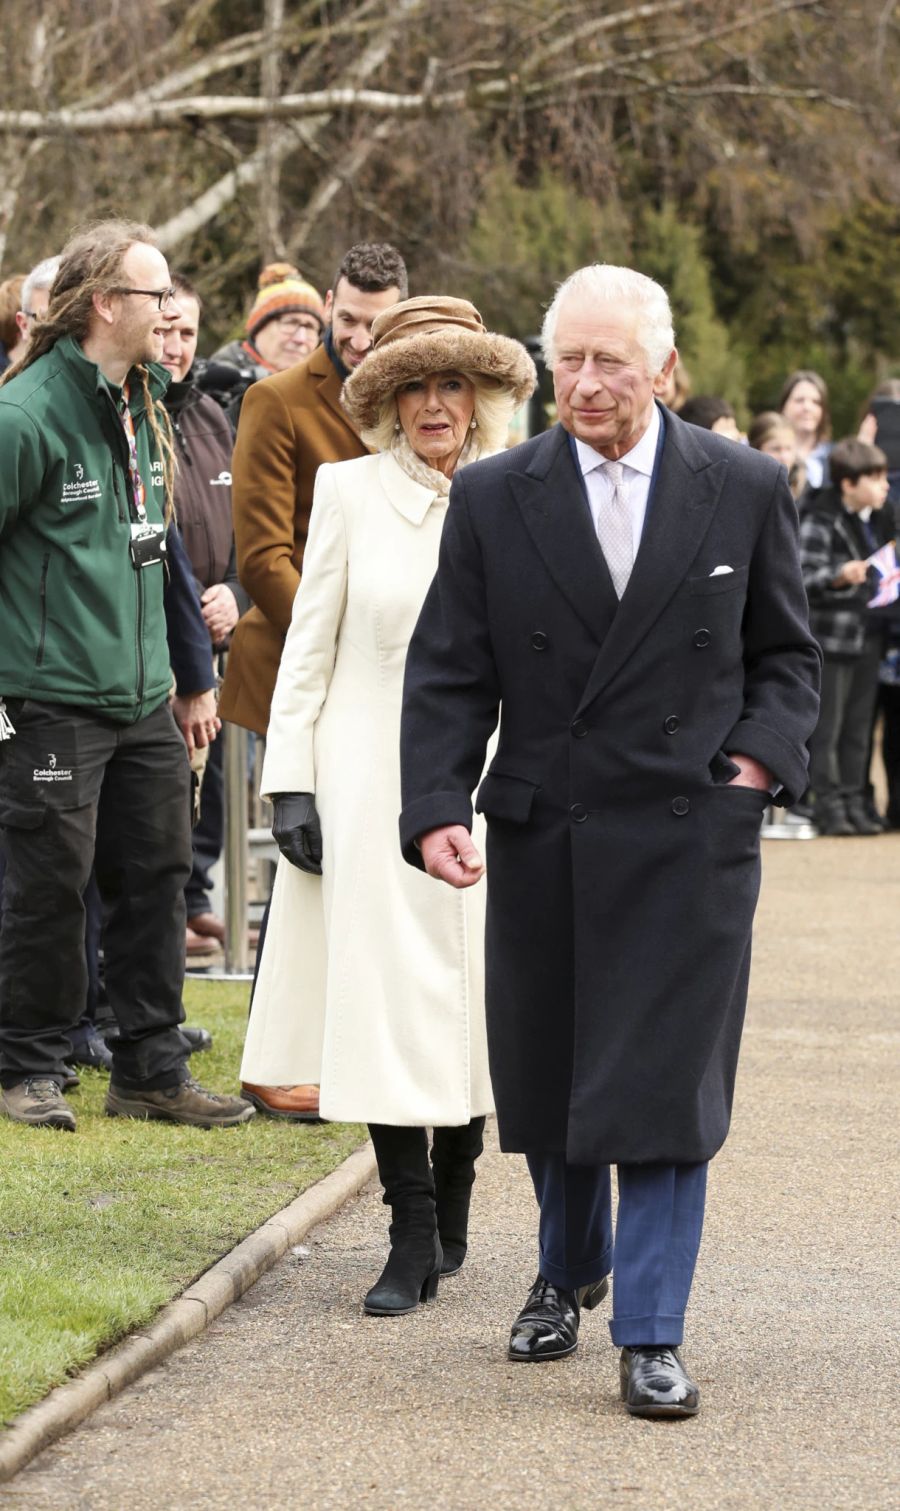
(282, 289)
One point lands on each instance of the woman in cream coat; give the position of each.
(371, 979)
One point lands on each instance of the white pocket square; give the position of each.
(720, 571)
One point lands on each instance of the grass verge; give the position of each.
(99, 1229)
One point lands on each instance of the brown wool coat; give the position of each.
(290, 424)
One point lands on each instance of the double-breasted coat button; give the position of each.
(702, 639)
(672, 724)
(539, 641)
(578, 812)
(680, 806)
(579, 729)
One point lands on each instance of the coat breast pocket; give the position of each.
(719, 582)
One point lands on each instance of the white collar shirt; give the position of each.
(637, 465)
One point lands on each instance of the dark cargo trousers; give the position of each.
(76, 791)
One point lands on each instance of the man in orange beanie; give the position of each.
(284, 325)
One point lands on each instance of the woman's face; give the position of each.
(435, 413)
(803, 407)
(782, 444)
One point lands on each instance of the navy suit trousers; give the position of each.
(659, 1223)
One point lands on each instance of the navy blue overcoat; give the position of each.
(622, 870)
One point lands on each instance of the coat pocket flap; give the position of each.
(720, 582)
(509, 797)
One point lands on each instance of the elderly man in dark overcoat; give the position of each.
(624, 592)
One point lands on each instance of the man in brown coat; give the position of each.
(290, 424)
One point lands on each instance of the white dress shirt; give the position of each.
(637, 467)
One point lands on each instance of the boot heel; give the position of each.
(429, 1289)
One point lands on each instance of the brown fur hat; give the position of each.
(432, 333)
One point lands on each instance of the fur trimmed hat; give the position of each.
(432, 333)
(282, 290)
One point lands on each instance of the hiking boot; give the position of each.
(187, 1102)
(37, 1100)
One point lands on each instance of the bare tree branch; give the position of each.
(209, 204)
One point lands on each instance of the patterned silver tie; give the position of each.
(614, 529)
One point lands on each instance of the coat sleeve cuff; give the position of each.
(431, 812)
(786, 763)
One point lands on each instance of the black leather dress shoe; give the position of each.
(654, 1383)
(547, 1325)
(198, 1038)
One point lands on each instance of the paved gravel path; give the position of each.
(293, 1398)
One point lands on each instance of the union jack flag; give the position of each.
(884, 561)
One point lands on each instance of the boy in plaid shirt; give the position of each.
(841, 526)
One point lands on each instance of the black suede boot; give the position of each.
(414, 1263)
(453, 1155)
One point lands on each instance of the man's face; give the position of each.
(26, 320)
(180, 340)
(137, 322)
(352, 314)
(604, 390)
(288, 338)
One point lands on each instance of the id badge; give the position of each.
(147, 545)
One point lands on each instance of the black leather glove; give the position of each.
(297, 831)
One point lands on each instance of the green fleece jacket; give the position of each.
(78, 623)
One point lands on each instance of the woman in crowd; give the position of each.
(371, 979)
(804, 401)
(772, 433)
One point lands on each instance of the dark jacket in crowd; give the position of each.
(203, 443)
(190, 652)
(830, 536)
(78, 624)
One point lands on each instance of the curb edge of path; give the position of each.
(183, 1319)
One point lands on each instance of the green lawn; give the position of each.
(98, 1229)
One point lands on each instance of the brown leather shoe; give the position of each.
(199, 944)
(299, 1104)
(209, 925)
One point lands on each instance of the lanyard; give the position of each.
(138, 491)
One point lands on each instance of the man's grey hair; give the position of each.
(40, 277)
(602, 283)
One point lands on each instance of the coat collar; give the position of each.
(409, 498)
(328, 384)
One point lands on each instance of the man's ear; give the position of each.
(104, 306)
(329, 302)
(22, 325)
(660, 382)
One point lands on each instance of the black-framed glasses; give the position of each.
(162, 296)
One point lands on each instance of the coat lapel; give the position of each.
(409, 498)
(551, 499)
(681, 510)
(321, 367)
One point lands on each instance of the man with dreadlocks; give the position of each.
(93, 770)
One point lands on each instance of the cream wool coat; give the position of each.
(372, 976)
